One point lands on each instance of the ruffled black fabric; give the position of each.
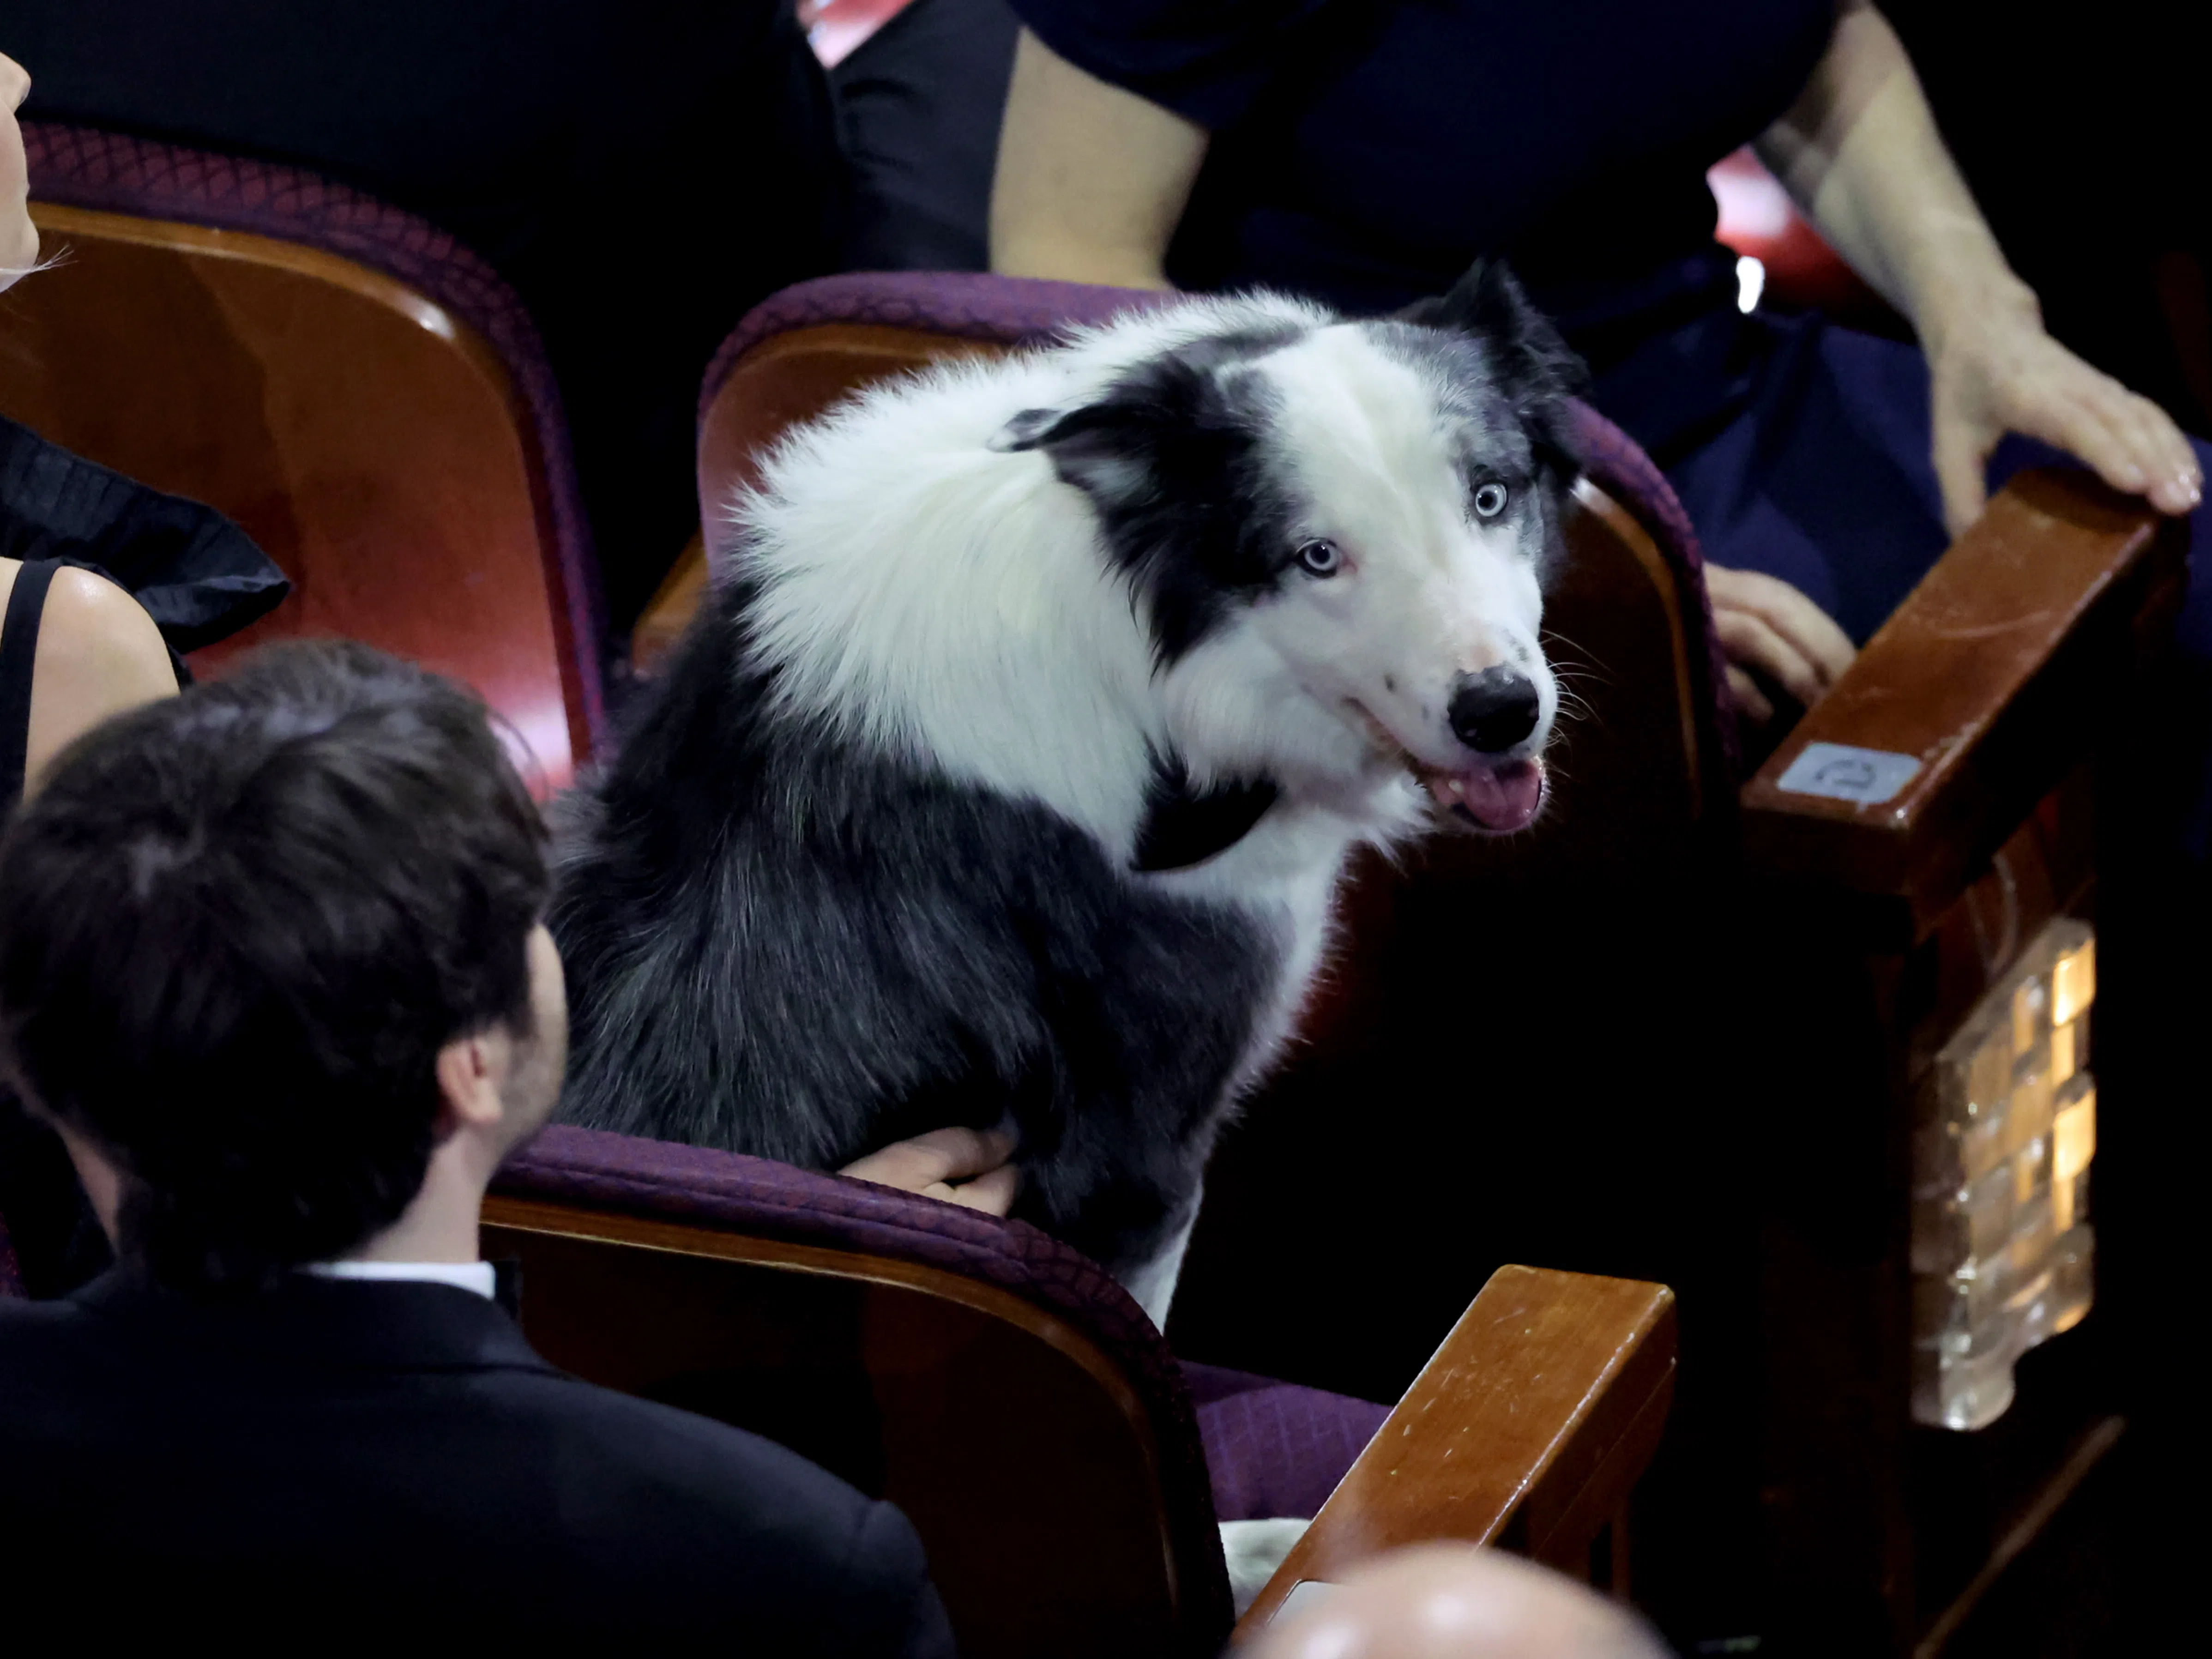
(198, 575)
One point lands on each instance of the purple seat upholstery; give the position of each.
(1275, 1449)
(1017, 311)
(111, 173)
(766, 1200)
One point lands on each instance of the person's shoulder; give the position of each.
(717, 1505)
(93, 626)
(99, 653)
(709, 1460)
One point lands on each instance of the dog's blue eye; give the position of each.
(1320, 558)
(1490, 499)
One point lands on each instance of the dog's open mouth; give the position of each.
(1499, 799)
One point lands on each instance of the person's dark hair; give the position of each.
(236, 927)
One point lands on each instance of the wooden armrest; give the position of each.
(1976, 697)
(1528, 1428)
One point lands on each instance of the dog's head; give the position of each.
(1337, 534)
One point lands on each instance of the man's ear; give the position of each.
(470, 1070)
(1537, 370)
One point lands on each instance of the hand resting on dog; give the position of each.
(968, 1167)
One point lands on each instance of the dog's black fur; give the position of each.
(779, 944)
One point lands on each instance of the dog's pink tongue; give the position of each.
(1503, 798)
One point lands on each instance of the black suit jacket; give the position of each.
(346, 1459)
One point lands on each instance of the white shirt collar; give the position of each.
(476, 1276)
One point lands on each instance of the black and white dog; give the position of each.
(1008, 773)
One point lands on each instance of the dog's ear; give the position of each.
(1027, 430)
(1164, 418)
(1537, 370)
(1104, 449)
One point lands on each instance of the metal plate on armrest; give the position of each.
(1842, 771)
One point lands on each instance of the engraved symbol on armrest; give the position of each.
(1841, 771)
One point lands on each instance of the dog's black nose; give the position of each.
(1494, 710)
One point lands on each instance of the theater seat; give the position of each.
(360, 392)
(1715, 1030)
(1064, 1474)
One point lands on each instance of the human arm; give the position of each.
(967, 1167)
(1860, 153)
(99, 653)
(1091, 179)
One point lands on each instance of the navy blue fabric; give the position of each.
(1823, 475)
(1366, 152)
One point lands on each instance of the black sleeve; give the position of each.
(885, 1605)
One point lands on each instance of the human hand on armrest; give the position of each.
(968, 1167)
(1860, 153)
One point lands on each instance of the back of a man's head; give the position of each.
(236, 928)
(1457, 1602)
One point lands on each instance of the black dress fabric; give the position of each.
(201, 579)
(19, 659)
(919, 103)
(641, 171)
(393, 1461)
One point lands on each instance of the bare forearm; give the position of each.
(1091, 179)
(1861, 155)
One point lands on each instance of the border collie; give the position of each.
(1006, 776)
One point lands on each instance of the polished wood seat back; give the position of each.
(1024, 1413)
(373, 444)
(1020, 1450)
(1018, 1405)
